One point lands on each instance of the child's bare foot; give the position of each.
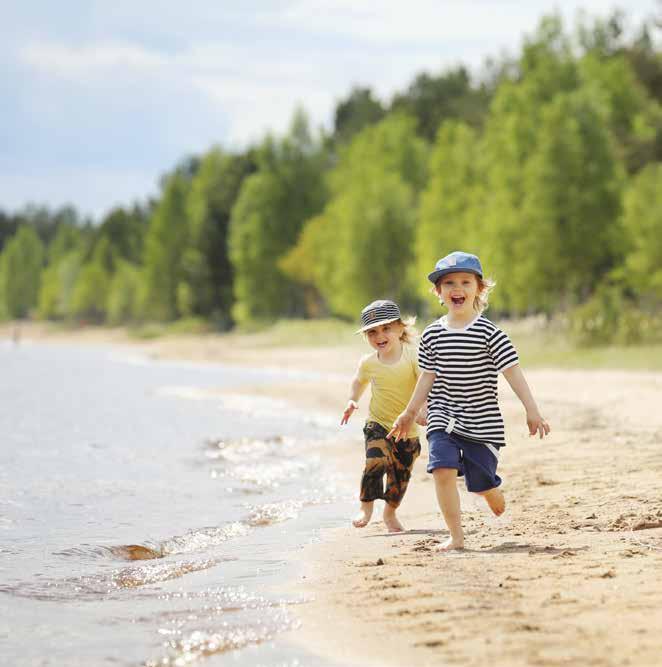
(495, 500)
(391, 520)
(451, 545)
(362, 519)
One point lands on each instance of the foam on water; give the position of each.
(105, 585)
(259, 407)
(121, 503)
(202, 630)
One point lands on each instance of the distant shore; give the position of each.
(568, 576)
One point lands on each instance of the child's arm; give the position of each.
(356, 389)
(534, 420)
(422, 416)
(403, 423)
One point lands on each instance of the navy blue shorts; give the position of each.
(472, 459)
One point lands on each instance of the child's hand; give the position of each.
(349, 410)
(422, 416)
(537, 424)
(401, 426)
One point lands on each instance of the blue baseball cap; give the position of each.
(454, 263)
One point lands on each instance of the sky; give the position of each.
(100, 98)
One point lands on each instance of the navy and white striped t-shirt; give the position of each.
(466, 363)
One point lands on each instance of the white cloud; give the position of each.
(228, 75)
(71, 61)
(393, 22)
(256, 108)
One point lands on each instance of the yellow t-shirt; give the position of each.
(391, 386)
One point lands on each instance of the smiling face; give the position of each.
(458, 292)
(385, 338)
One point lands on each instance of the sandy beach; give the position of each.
(570, 575)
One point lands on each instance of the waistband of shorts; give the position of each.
(371, 423)
(449, 430)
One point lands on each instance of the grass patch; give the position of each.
(300, 333)
(558, 351)
(540, 345)
(148, 331)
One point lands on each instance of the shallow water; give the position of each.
(147, 516)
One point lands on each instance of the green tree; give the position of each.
(434, 99)
(633, 116)
(124, 230)
(273, 204)
(450, 211)
(546, 68)
(165, 241)
(360, 248)
(570, 236)
(21, 265)
(642, 219)
(57, 286)
(122, 299)
(90, 294)
(206, 264)
(357, 111)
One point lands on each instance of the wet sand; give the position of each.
(569, 575)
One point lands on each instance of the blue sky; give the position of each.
(100, 98)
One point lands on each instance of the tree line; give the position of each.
(548, 165)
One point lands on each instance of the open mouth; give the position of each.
(458, 300)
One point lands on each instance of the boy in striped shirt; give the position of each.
(460, 356)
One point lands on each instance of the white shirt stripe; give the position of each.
(466, 363)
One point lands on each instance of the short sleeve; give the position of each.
(425, 357)
(413, 354)
(362, 372)
(501, 350)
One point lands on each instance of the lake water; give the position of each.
(147, 516)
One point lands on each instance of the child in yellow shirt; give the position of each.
(392, 371)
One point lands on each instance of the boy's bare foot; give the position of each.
(362, 519)
(495, 500)
(451, 545)
(391, 521)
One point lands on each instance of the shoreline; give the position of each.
(567, 576)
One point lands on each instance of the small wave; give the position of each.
(206, 635)
(259, 407)
(267, 475)
(123, 551)
(106, 585)
(266, 515)
(194, 540)
(238, 450)
(151, 574)
(203, 538)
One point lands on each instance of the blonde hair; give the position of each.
(485, 286)
(410, 332)
(481, 301)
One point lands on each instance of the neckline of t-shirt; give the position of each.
(444, 322)
(395, 363)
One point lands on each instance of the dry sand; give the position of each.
(571, 575)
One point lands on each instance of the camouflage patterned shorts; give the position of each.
(384, 456)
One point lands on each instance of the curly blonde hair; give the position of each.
(410, 332)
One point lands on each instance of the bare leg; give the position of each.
(363, 517)
(449, 502)
(391, 520)
(495, 500)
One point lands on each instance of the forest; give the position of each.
(547, 164)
